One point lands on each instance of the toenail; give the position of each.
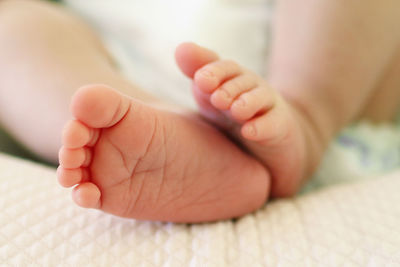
(207, 74)
(224, 94)
(240, 102)
(251, 130)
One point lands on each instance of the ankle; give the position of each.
(318, 128)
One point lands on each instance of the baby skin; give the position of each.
(244, 106)
(144, 161)
(135, 160)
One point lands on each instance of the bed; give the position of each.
(347, 224)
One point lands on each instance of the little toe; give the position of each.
(223, 97)
(76, 135)
(74, 158)
(268, 127)
(99, 106)
(212, 75)
(69, 177)
(87, 195)
(252, 103)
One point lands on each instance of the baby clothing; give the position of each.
(143, 35)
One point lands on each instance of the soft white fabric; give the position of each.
(237, 29)
(143, 35)
(347, 225)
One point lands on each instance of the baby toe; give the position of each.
(69, 177)
(223, 97)
(190, 57)
(74, 158)
(76, 134)
(209, 77)
(252, 103)
(268, 127)
(99, 106)
(87, 195)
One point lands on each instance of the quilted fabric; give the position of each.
(344, 225)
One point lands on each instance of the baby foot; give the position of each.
(242, 104)
(136, 161)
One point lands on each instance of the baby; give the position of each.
(130, 154)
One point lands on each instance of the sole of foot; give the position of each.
(133, 160)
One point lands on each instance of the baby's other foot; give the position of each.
(137, 161)
(242, 103)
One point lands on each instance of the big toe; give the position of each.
(190, 57)
(99, 106)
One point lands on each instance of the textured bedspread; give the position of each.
(343, 225)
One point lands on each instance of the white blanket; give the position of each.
(345, 225)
